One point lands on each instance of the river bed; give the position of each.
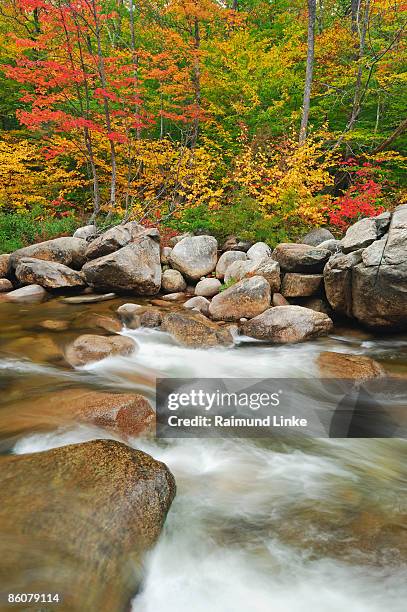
(306, 525)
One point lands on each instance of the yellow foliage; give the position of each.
(28, 179)
(286, 178)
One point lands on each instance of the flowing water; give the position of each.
(266, 526)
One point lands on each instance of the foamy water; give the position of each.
(241, 534)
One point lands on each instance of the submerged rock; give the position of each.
(283, 324)
(135, 316)
(89, 348)
(135, 269)
(194, 330)
(247, 298)
(48, 274)
(341, 365)
(81, 518)
(195, 256)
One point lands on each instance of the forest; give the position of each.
(259, 118)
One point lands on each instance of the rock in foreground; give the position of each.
(80, 519)
(283, 324)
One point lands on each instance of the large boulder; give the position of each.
(48, 274)
(195, 331)
(362, 233)
(134, 269)
(259, 251)
(32, 294)
(301, 285)
(208, 287)
(316, 236)
(195, 256)
(89, 348)
(80, 519)
(247, 299)
(301, 257)
(226, 259)
(267, 268)
(338, 281)
(67, 251)
(172, 281)
(114, 239)
(283, 324)
(371, 284)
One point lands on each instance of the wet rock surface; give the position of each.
(195, 330)
(283, 324)
(89, 348)
(55, 505)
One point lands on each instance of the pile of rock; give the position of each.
(281, 295)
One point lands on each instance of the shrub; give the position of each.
(23, 228)
(241, 218)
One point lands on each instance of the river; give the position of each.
(266, 525)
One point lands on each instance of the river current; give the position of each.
(268, 526)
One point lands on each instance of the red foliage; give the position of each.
(362, 198)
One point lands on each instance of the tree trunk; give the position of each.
(397, 132)
(135, 65)
(102, 76)
(312, 9)
(362, 29)
(196, 82)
